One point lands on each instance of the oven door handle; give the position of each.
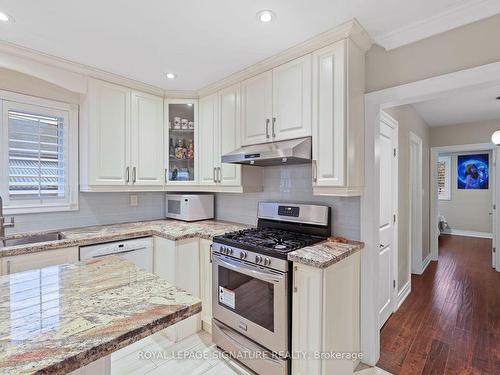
(249, 270)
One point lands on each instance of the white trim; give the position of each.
(451, 18)
(403, 293)
(425, 263)
(415, 244)
(468, 233)
(430, 88)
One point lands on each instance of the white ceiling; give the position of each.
(473, 105)
(200, 40)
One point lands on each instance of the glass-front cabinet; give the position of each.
(182, 141)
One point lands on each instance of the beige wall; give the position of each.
(463, 134)
(468, 209)
(465, 47)
(409, 120)
(24, 84)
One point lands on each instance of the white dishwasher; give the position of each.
(138, 251)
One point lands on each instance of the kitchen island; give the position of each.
(58, 319)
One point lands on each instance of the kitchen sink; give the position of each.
(35, 238)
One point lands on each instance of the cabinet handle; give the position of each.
(127, 174)
(210, 253)
(314, 171)
(267, 128)
(214, 178)
(133, 175)
(8, 267)
(219, 177)
(274, 122)
(166, 175)
(295, 289)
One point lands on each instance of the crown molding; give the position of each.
(65, 73)
(449, 19)
(351, 29)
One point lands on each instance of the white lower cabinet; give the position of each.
(178, 262)
(326, 317)
(27, 262)
(206, 284)
(100, 367)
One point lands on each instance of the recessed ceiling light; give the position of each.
(265, 16)
(171, 75)
(4, 17)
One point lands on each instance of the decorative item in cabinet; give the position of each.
(182, 141)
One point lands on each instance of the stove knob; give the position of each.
(243, 255)
(267, 262)
(258, 259)
(222, 249)
(230, 251)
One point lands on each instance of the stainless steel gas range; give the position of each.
(252, 282)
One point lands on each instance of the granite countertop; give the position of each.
(326, 253)
(57, 319)
(169, 229)
(320, 255)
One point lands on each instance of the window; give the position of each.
(39, 153)
(444, 177)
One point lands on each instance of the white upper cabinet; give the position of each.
(209, 140)
(147, 140)
(256, 108)
(338, 119)
(292, 99)
(229, 134)
(121, 139)
(108, 130)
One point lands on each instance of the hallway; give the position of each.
(450, 323)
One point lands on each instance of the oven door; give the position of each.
(252, 300)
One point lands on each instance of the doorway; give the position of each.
(415, 215)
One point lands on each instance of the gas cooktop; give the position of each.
(267, 240)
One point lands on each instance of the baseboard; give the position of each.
(426, 262)
(403, 293)
(468, 233)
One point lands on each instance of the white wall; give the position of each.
(293, 184)
(468, 210)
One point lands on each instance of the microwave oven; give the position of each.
(189, 207)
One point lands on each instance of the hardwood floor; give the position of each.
(450, 323)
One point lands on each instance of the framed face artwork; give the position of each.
(473, 171)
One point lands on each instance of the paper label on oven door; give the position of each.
(227, 297)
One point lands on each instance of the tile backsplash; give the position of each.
(96, 208)
(290, 184)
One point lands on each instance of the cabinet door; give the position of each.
(292, 99)
(329, 124)
(256, 108)
(147, 140)
(208, 147)
(229, 134)
(182, 139)
(206, 282)
(26, 262)
(109, 126)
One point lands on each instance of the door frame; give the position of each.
(416, 264)
(434, 203)
(391, 122)
(426, 89)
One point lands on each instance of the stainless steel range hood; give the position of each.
(293, 151)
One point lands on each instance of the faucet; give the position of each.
(3, 224)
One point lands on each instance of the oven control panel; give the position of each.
(250, 257)
(291, 211)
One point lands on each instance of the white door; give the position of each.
(208, 145)
(147, 140)
(388, 189)
(329, 115)
(415, 231)
(493, 178)
(109, 139)
(292, 99)
(229, 134)
(256, 108)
